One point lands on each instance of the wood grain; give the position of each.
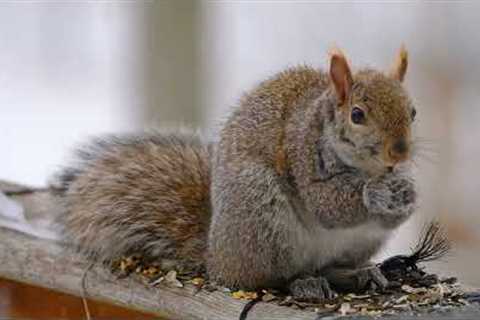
(48, 264)
(51, 265)
(22, 301)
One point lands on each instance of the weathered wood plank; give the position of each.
(45, 263)
(7, 186)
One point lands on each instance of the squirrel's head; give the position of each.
(373, 115)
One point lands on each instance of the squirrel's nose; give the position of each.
(400, 146)
(398, 150)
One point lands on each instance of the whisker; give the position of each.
(427, 158)
(425, 149)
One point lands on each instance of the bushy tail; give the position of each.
(146, 195)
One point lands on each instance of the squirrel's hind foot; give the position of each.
(369, 278)
(311, 289)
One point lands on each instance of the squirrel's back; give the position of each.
(145, 195)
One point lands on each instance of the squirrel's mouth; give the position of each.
(346, 140)
(370, 163)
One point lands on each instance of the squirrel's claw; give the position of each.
(368, 278)
(373, 279)
(312, 289)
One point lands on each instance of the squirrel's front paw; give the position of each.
(392, 197)
(311, 289)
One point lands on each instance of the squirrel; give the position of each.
(310, 176)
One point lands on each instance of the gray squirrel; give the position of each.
(308, 179)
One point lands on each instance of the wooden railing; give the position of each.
(48, 263)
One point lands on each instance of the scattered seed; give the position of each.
(244, 295)
(157, 281)
(344, 308)
(410, 289)
(268, 297)
(171, 279)
(198, 282)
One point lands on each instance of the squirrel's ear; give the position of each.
(340, 75)
(399, 68)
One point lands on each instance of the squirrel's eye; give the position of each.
(414, 113)
(358, 116)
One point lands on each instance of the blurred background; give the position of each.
(72, 70)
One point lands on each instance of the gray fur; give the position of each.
(123, 196)
(292, 193)
(268, 229)
(311, 288)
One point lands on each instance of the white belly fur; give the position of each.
(318, 247)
